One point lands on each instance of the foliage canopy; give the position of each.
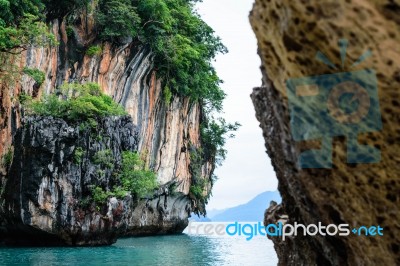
(182, 43)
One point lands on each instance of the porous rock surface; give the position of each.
(289, 34)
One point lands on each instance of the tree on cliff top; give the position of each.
(117, 19)
(22, 24)
(183, 44)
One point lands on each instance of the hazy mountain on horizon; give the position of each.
(250, 211)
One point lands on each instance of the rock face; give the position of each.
(289, 34)
(54, 169)
(164, 133)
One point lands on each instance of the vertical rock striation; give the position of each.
(289, 35)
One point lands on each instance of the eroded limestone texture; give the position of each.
(289, 35)
(47, 194)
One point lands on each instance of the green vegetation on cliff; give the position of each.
(85, 103)
(213, 137)
(117, 19)
(199, 189)
(94, 50)
(7, 158)
(133, 177)
(75, 102)
(22, 25)
(183, 44)
(37, 75)
(214, 133)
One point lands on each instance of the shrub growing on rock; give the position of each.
(75, 102)
(133, 177)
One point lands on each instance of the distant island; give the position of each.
(250, 211)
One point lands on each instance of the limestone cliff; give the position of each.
(47, 196)
(289, 34)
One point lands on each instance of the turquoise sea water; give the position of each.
(184, 249)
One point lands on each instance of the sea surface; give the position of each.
(194, 248)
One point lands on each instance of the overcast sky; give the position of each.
(247, 170)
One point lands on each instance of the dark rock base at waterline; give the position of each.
(47, 196)
(32, 237)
